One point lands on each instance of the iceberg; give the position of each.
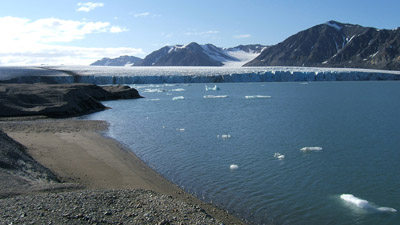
(307, 149)
(257, 96)
(178, 98)
(178, 89)
(180, 129)
(364, 204)
(279, 155)
(233, 167)
(224, 136)
(215, 88)
(215, 96)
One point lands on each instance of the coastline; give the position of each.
(78, 152)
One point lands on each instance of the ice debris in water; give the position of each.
(224, 136)
(364, 204)
(279, 155)
(215, 88)
(156, 90)
(257, 96)
(154, 99)
(180, 129)
(233, 167)
(215, 96)
(178, 89)
(178, 98)
(307, 149)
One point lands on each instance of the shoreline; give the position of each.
(78, 152)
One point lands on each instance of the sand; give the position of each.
(78, 152)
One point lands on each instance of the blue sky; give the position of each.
(80, 32)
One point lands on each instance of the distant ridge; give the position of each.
(192, 54)
(120, 61)
(335, 44)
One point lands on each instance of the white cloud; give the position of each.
(203, 33)
(56, 55)
(240, 36)
(35, 42)
(88, 6)
(141, 14)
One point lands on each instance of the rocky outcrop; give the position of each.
(58, 100)
(17, 168)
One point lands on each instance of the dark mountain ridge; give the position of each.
(335, 44)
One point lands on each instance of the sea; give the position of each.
(272, 153)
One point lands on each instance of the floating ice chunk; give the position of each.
(279, 155)
(215, 96)
(257, 96)
(386, 209)
(364, 204)
(178, 89)
(307, 149)
(154, 99)
(233, 167)
(215, 88)
(178, 98)
(156, 90)
(224, 136)
(180, 129)
(304, 83)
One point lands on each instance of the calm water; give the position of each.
(357, 125)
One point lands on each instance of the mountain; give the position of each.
(335, 44)
(191, 54)
(120, 61)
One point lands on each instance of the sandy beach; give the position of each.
(78, 153)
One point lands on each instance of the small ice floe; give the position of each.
(178, 98)
(153, 99)
(304, 83)
(178, 89)
(364, 204)
(180, 129)
(224, 136)
(156, 90)
(279, 155)
(308, 149)
(215, 96)
(233, 167)
(257, 96)
(215, 88)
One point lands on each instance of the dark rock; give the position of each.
(58, 100)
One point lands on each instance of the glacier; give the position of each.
(102, 75)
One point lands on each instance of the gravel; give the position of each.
(101, 207)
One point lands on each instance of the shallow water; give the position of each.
(351, 129)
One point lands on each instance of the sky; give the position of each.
(36, 32)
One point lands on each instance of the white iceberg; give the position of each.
(224, 136)
(364, 204)
(279, 155)
(257, 96)
(180, 129)
(215, 96)
(215, 88)
(178, 98)
(178, 89)
(233, 167)
(308, 149)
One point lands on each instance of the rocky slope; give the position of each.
(120, 61)
(335, 44)
(58, 100)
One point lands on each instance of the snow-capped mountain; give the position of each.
(335, 44)
(191, 54)
(120, 61)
